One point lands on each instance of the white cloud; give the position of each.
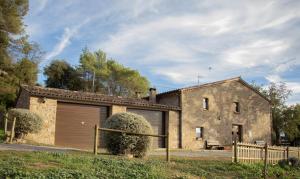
(63, 43)
(178, 41)
(286, 65)
(41, 5)
(256, 53)
(294, 86)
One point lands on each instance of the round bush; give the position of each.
(120, 143)
(292, 162)
(26, 121)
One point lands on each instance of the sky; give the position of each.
(176, 43)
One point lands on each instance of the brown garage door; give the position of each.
(157, 121)
(75, 124)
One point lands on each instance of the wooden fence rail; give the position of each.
(252, 153)
(96, 138)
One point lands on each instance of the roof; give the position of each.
(92, 98)
(238, 79)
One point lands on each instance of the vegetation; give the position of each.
(96, 73)
(290, 162)
(291, 125)
(285, 118)
(109, 76)
(118, 143)
(27, 122)
(84, 165)
(2, 136)
(18, 57)
(62, 75)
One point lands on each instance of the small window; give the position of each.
(205, 103)
(199, 132)
(236, 107)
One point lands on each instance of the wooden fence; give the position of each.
(252, 153)
(96, 138)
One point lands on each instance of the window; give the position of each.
(236, 107)
(205, 103)
(199, 132)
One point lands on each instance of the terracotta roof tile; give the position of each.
(78, 96)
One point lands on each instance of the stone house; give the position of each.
(219, 111)
(193, 115)
(70, 116)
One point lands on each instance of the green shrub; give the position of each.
(292, 162)
(118, 143)
(26, 121)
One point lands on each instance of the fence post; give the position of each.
(167, 138)
(287, 153)
(235, 150)
(96, 138)
(12, 135)
(5, 123)
(266, 160)
(168, 147)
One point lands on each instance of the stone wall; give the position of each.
(46, 109)
(217, 122)
(117, 109)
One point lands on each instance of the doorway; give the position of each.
(237, 131)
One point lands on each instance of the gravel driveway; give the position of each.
(26, 147)
(207, 154)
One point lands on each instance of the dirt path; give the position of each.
(26, 147)
(207, 154)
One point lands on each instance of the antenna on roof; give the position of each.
(199, 76)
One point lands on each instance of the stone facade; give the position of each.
(46, 109)
(217, 122)
(117, 109)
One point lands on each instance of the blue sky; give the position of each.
(172, 42)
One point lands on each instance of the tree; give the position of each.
(291, 121)
(18, 57)
(11, 23)
(278, 93)
(60, 74)
(108, 76)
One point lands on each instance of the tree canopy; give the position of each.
(62, 75)
(18, 57)
(278, 93)
(96, 73)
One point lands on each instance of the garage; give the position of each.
(157, 121)
(75, 124)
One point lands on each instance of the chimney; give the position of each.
(152, 95)
(138, 94)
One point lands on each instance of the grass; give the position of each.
(86, 165)
(2, 136)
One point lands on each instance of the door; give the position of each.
(237, 131)
(75, 124)
(157, 121)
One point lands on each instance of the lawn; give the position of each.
(2, 136)
(86, 165)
